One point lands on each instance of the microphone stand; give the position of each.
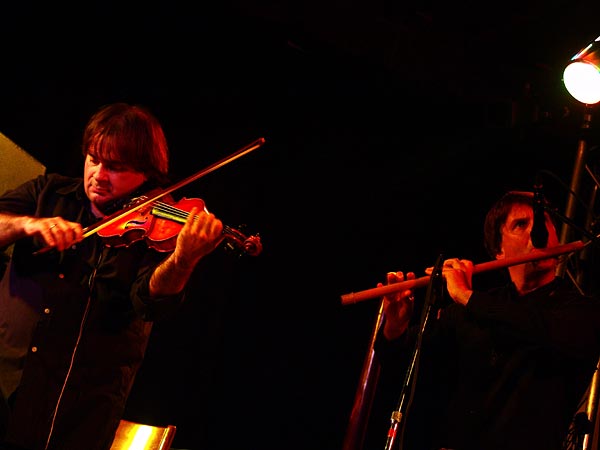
(434, 291)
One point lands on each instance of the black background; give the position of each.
(390, 128)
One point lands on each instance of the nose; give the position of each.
(101, 172)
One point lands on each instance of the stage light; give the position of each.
(582, 74)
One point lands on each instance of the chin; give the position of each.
(543, 266)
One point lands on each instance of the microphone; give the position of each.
(539, 232)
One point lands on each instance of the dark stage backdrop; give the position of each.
(388, 134)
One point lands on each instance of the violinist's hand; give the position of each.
(397, 306)
(458, 274)
(199, 236)
(55, 232)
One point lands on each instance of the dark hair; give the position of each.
(131, 135)
(497, 214)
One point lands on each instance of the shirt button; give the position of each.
(46, 310)
(61, 275)
(34, 349)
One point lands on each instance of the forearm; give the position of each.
(12, 228)
(393, 331)
(392, 353)
(170, 277)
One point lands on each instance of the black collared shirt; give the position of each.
(74, 325)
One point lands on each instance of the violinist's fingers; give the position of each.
(64, 234)
(193, 214)
(204, 229)
(48, 236)
(56, 232)
(214, 229)
(205, 221)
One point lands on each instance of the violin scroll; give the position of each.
(236, 241)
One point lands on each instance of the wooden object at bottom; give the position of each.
(138, 436)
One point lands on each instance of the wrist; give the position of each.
(464, 297)
(393, 331)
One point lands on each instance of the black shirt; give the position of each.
(74, 325)
(506, 372)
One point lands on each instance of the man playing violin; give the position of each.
(75, 321)
(503, 369)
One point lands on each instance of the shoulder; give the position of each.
(59, 181)
(52, 181)
(53, 185)
(566, 294)
(43, 189)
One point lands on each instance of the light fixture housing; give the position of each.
(582, 74)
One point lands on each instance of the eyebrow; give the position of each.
(105, 160)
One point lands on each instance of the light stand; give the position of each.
(578, 168)
(582, 79)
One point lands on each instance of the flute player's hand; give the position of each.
(397, 306)
(458, 274)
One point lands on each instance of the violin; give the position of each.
(159, 224)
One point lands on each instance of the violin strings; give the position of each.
(177, 212)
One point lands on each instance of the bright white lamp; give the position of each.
(582, 74)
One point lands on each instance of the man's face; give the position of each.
(105, 181)
(516, 234)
